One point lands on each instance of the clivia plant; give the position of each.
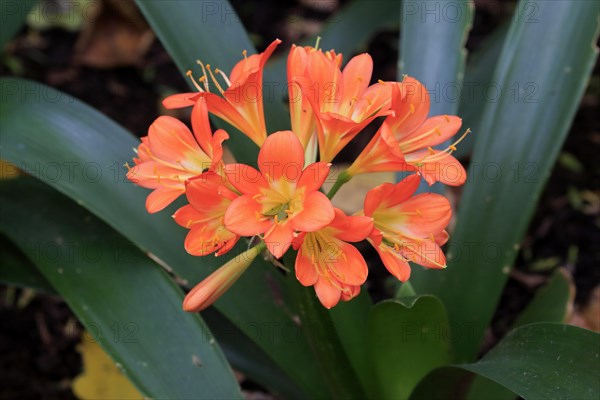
(257, 243)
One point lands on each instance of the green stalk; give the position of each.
(323, 339)
(342, 178)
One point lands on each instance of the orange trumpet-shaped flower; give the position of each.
(301, 114)
(209, 198)
(210, 289)
(171, 154)
(281, 197)
(241, 103)
(416, 135)
(343, 102)
(325, 259)
(380, 155)
(407, 228)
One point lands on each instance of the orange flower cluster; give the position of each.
(281, 201)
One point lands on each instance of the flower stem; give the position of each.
(342, 178)
(323, 340)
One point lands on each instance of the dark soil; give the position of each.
(37, 340)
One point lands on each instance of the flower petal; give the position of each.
(170, 140)
(281, 156)
(245, 178)
(437, 167)
(347, 264)
(425, 252)
(161, 198)
(187, 216)
(317, 212)
(435, 130)
(394, 262)
(201, 126)
(306, 273)
(279, 238)
(314, 175)
(243, 217)
(180, 100)
(376, 196)
(411, 106)
(328, 294)
(353, 228)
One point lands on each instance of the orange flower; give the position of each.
(380, 155)
(343, 102)
(301, 114)
(407, 228)
(209, 198)
(416, 135)
(241, 104)
(210, 289)
(280, 198)
(327, 261)
(170, 155)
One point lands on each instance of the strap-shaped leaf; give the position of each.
(17, 269)
(406, 341)
(536, 361)
(127, 302)
(81, 153)
(432, 49)
(551, 58)
(212, 32)
(550, 304)
(432, 40)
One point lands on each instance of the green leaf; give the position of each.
(324, 339)
(14, 13)
(478, 88)
(432, 50)
(515, 150)
(351, 324)
(80, 152)
(550, 304)
(212, 32)
(127, 302)
(536, 361)
(248, 358)
(17, 269)
(406, 341)
(432, 40)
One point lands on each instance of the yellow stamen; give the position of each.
(317, 44)
(225, 78)
(446, 152)
(191, 76)
(204, 78)
(212, 76)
